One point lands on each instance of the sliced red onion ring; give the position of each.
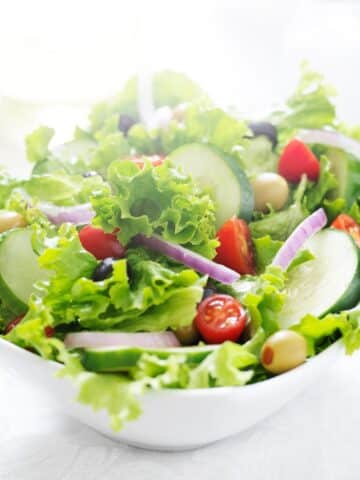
(116, 339)
(293, 244)
(190, 259)
(331, 139)
(76, 214)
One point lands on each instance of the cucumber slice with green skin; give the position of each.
(19, 269)
(347, 170)
(329, 283)
(118, 359)
(221, 175)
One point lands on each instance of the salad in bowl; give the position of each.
(188, 248)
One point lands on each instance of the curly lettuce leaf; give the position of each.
(213, 126)
(37, 144)
(63, 189)
(144, 293)
(265, 250)
(257, 156)
(307, 197)
(118, 394)
(354, 210)
(301, 257)
(110, 148)
(279, 225)
(7, 185)
(310, 106)
(228, 365)
(317, 192)
(158, 200)
(264, 298)
(322, 332)
(200, 124)
(169, 88)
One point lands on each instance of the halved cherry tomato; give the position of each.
(100, 244)
(296, 160)
(220, 318)
(348, 224)
(236, 249)
(10, 326)
(155, 160)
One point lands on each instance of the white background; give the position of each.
(56, 58)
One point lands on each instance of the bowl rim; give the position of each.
(219, 391)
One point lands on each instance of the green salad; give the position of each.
(184, 248)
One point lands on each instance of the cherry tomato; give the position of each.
(102, 245)
(10, 326)
(236, 249)
(348, 224)
(297, 159)
(156, 160)
(220, 318)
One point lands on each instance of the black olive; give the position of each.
(91, 173)
(265, 128)
(125, 123)
(103, 270)
(208, 292)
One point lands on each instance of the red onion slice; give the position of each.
(303, 232)
(117, 339)
(331, 139)
(76, 214)
(190, 259)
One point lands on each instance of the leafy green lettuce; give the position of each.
(279, 225)
(63, 189)
(206, 125)
(265, 250)
(317, 192)
(322, 332)
(159, 200)
(307, 197)
(229, 364)
(257, 156)
(169, 88)
(37, 144)
(144, 293)
(309, 107)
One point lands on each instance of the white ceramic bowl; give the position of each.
(175, 419)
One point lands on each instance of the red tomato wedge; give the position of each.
(348, 224)
(155, 160)
(236, 249)
(296, 160)
(220, 318)
(102, 245)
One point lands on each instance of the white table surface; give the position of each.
(316, 436)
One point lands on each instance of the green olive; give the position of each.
(283, 351)
(188, 335)
(270, 189)
(10, 220)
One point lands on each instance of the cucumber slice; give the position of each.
(329, 283)
(112, 359)
(222, 176)
(347, 170)
(19, 269)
